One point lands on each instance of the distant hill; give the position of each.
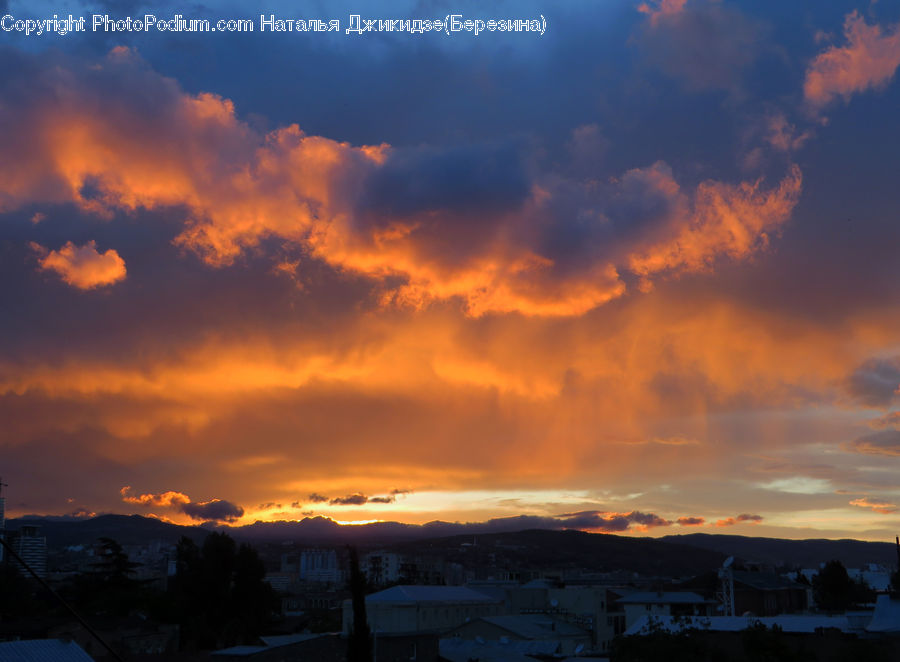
(800, 553)
(126, 529)
(675, 555)
(596, 552)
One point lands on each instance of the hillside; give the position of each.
(798, 553)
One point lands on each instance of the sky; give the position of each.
(635, 272)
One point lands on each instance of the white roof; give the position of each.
(887, 615)
(787, 622)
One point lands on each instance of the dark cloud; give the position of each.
(889, 420)
(875, 383)
(382, 499)
(316, 498)
(216, 510)
(706, 44)
(82, 512)
(350, 500)
(483, 179)
(691, 521)
(269, 505)
(886, 442)
(603, 521)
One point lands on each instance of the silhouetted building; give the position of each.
(759, 593)
(31, 548)
(664, 603)
(567, 639)
(382, 567)
(2, 523)
(313, 565)
(420, 609)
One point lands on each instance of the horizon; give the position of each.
(624, 267)
(490, 527)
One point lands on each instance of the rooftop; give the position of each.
(534, 626)
(663, 598)
(42, 650)
(429, 594)
(787, 622)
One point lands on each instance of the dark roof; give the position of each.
(662, 598)
(534, 626)
(765, 581)
(42, 650)
(430, 594)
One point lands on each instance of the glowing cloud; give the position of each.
(164, 499)
(734, 221)
(82, 266)
(487, 236)
(878, 506)
(868, 61)
(731, 521)
(217, 510)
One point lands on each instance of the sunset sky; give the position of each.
(638, 274)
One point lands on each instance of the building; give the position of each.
(567, 639)
(31, 547)
(319, 566)
(664, 603)
(288, 648)
(382, 568)
(2, 521)
(592, 608)
(422, 609)
(759, 593)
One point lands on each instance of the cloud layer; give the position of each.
(622, 277)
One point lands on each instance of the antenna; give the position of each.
(726, 586)
(2, 485)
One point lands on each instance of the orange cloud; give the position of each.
(783, 135)
(731, 521)
(691, 521)
(867, 61)
(165, 499)
(212, 510)
(889, 420)
(733, 221)
(657, 8)
(240, 188)
(882, 507)
(82, 266)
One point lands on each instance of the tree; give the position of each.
(832, 587)
(220, 595)
(359, 645)
(109, 588)
(112, 566)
